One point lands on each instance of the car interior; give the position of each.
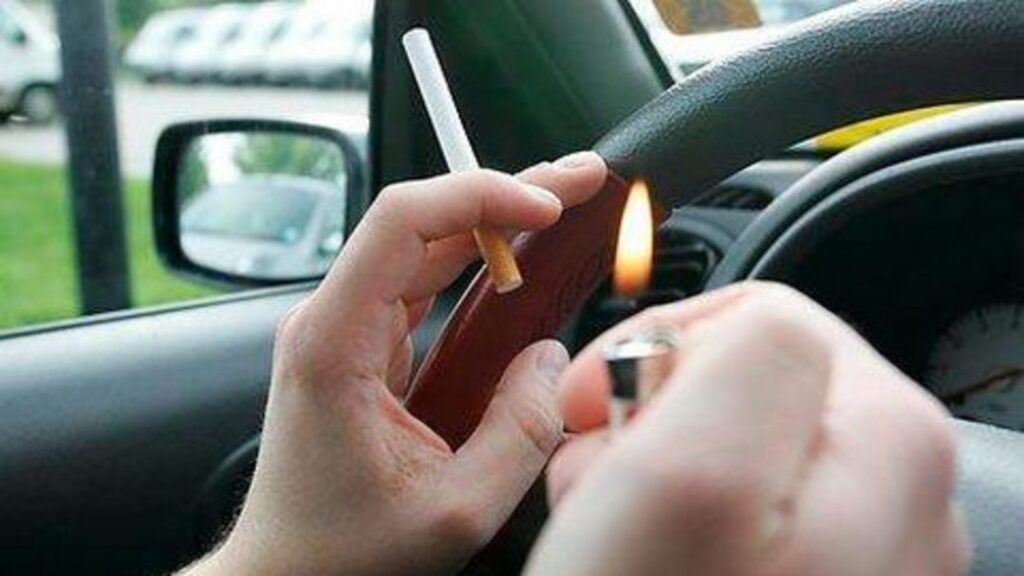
(127, 439)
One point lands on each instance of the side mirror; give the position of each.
(698, 16)
(255, 202)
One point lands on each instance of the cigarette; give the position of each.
(458, 152)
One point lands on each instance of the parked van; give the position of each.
(242, 60)
(339, 56)
(219, 28)
(151, 53)
(31, 70)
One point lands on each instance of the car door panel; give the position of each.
(109, 428)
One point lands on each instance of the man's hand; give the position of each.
(347, 481)
(781, 444)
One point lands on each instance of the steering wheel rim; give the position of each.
(868, 59)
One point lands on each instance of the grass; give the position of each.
(37, 270)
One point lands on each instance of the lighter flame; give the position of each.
(635, 252)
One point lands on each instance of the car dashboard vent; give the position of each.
(734, 197)
(682, 263)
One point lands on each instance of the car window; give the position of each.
(713, 35)
(176, 60)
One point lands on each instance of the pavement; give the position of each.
(145, 110)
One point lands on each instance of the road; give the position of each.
(144, 111)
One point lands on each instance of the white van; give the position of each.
(31, 70)
(219, 27)
(242, 61)
(152, 51)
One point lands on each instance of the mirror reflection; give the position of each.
(263, 205)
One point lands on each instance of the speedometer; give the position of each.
(977, 366)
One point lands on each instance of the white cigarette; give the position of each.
(437, 97)
(458, 152)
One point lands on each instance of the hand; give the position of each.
(347, 481)
(781, 444)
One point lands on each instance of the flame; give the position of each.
(635, 252)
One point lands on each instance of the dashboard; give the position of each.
(933, 280)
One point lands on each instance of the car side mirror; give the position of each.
(697, 16)
(255, 202)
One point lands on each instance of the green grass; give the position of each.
(37, 271)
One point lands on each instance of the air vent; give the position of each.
(683, 264)
(735, 198)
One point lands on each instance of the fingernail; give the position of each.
(545, 195)
(577, 160)
(552, 361)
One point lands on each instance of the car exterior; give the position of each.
(31, 70)
(243, 60)
(219, 28)
(287, 226)
(151, 52)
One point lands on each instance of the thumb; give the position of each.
(518, 433)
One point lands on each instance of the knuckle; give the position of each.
(773, 290)
(289, 328)
(390, 198)
(461, 522)
(703, 494)
(774, 329)
(936, 444)
(539, 422)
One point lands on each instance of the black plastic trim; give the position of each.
(988, 123)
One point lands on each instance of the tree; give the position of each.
(290, 154)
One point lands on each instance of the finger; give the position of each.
(571, 462)
(417, 311)
(391, 242)
(574, 179)
(363, 291)
(518, 432)
(752, 390)
(585, 389)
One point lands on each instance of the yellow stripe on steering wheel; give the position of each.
(854, 134)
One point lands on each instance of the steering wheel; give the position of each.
(868, 59)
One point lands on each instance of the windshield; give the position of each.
(779, 12)
(713, 34)
(269, 212)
